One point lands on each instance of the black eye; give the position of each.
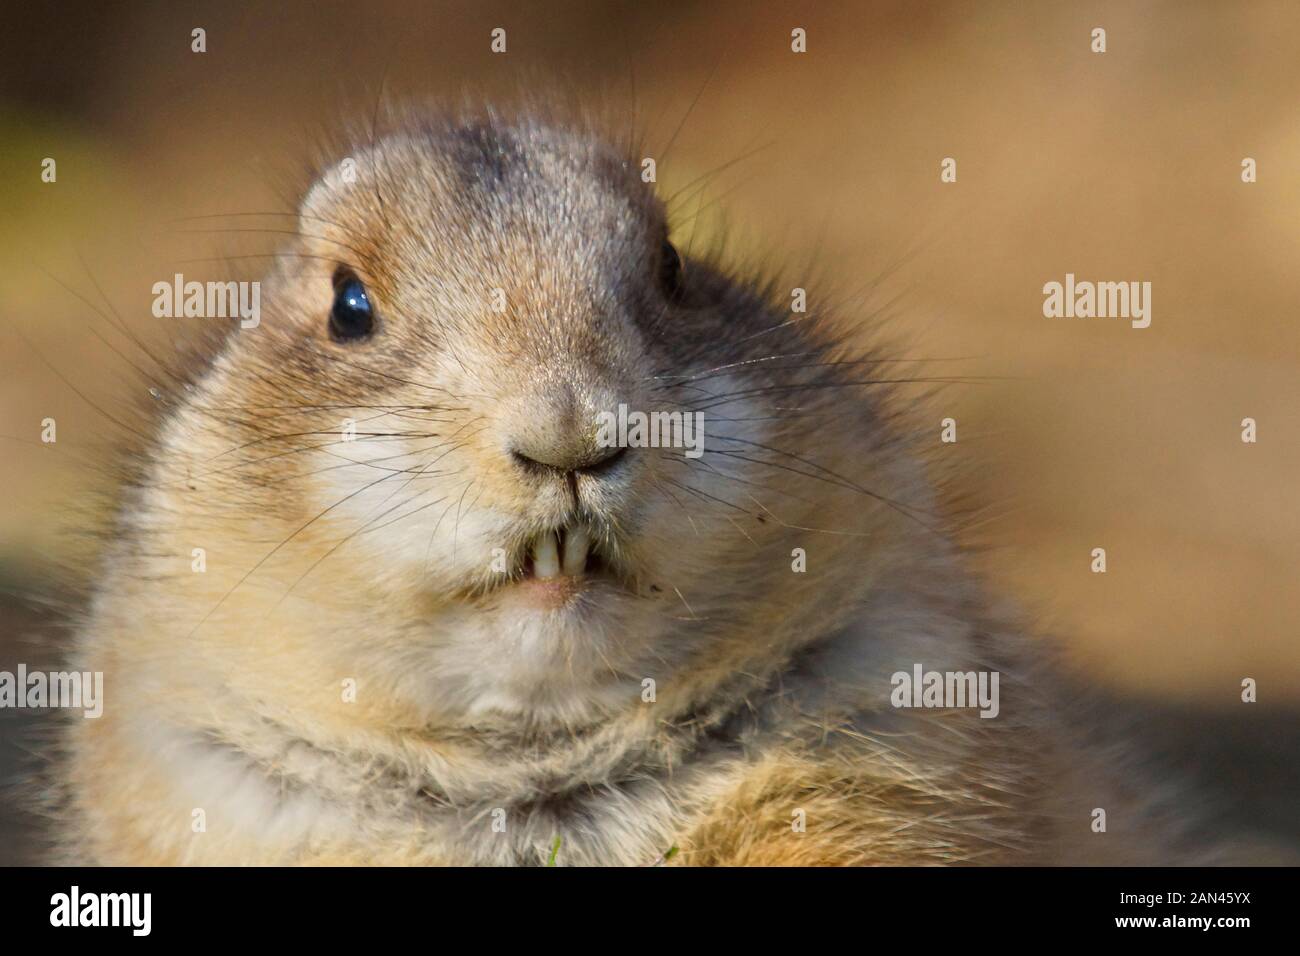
(670, 272)
(352, 316)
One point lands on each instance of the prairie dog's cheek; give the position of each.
(440, 548)
(405, 519)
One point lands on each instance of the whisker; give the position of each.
(266, 557)
(291, 215)
(282, 232)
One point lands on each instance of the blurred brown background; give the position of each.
(1117, 166)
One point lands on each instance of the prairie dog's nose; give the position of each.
(560, 435)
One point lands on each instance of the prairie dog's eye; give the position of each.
(352, 316)
(670, 272)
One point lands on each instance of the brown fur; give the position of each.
(772, 686)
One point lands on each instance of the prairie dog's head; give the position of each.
(434, 482)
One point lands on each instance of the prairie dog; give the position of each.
(385, 596)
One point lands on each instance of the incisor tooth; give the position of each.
(546, 556)
(576, 543)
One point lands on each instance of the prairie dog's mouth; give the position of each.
(566, 552)
(555, 565)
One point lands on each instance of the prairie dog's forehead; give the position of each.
(485, 183)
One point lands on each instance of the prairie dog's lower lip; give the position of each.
(551, 593)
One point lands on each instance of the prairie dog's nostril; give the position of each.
(528, 464)
(612, 457)
(591, 460)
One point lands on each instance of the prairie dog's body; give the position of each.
(384, 661)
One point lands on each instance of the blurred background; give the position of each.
(1087, 433)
